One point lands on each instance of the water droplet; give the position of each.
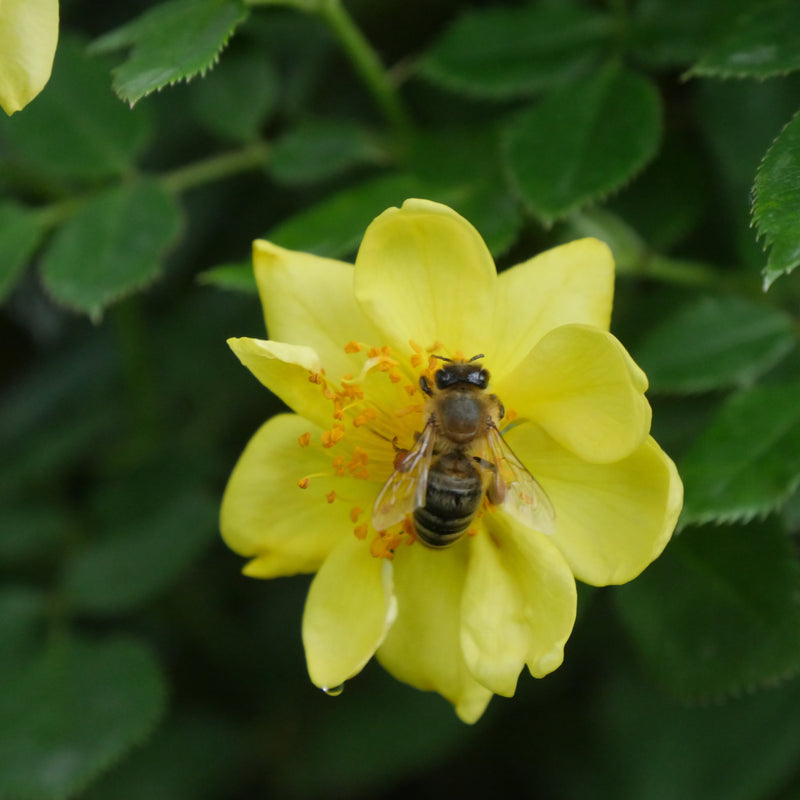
(333, 691)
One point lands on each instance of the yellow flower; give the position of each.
(28, 36)
(348, 347)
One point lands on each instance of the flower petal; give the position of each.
(309, 300)
(285, 370)
(570, 283)
(519, 604)
(28, 37)
(349, 608)
(424, 274)
(612, 520)
(423, 647)
(265, 515)
(583, 388)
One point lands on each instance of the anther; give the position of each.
(304, 440)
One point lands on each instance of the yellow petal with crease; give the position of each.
(519, 604)
(570, 283)
(285, 370)
(584, 389)
(28, 37)
(424, 274)
(349, 608)
(612, 520)
(267, 517)
(423, 647)
(309, 300)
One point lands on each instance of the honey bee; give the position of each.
(458, 459)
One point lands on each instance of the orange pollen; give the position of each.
(304, 440)
(352, 347)
(314, 377)
(511, 415)
(414, 346)
(395, 376)
(303, 483)
(334, 435)
(355, 513)
(331, 496)
(360, 532)
(411, 390)
(472, 531)
(416, 359)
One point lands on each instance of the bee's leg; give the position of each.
(496, 491)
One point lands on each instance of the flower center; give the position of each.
(377, 416)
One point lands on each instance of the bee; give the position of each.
(459, 458)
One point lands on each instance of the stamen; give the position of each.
(304, 440)
(355, 513)
(303, 483)
(360, 532)
(331, 496)
(353, 347)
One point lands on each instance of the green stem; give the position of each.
(215, 168)
(366, 62)
(360, 52)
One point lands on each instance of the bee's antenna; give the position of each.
(442, 358)
(475, 358)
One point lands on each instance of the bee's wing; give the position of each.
(405, 489)
(517, 490)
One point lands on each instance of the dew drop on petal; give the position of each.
(333, 691)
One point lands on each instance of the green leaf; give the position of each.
(776, 205)
(196, 756)
(238, 277)
(673, 33)
(748, 460)
(76, 128)
(335, 226)
(318, 149)
(118, 573)
(22, 611)
(236, 97)
(733, 623)
(20, 233)
(583, 142)
(764, 41)
(74, 711)
(506, 52)
(715, 343)
(111, 247)
(639, 744)
(173, 41)
(29, 531)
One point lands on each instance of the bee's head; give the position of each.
(455, 373)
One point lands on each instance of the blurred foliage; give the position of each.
(136, 662)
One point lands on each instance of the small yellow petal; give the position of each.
(285, 370)
(424, 274)
(573, 283)
(582, 387)
(266, 516)
(519, 604)
(350, 607)
(309, 300)
(612, 520)
(28, 37)
(423, 648)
